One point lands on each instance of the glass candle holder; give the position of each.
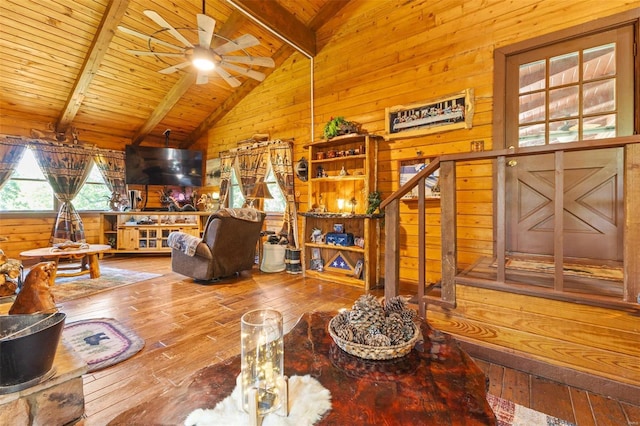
(262, 359)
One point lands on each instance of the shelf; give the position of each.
(342, 158)
(354, 249)
(334, 179)
(329, 215)
(331, 276)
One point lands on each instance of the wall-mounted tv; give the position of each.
(163, 166)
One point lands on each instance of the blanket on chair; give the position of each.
(184, 242)
(248, 214)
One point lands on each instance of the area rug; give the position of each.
(70, 288)
(102, 342)
(570, 269)
(511, 414)
(308, 401)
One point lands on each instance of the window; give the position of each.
(271, 205)
(29, 190)
(94, 194)
(571, 91)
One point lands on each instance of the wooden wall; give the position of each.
(381, 54)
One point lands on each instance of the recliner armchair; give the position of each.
(227, 247)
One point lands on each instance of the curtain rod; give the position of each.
(256, 145)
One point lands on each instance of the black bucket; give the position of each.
(28, 345)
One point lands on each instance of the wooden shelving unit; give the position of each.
(343, 168)
(147, 232)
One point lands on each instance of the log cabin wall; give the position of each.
(375, 55)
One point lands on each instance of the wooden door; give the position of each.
(592, 205)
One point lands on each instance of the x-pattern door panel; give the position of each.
(592, 205)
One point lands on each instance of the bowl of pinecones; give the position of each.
(376, 330)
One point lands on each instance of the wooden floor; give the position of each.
(187, 326)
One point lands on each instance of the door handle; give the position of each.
(512, 163)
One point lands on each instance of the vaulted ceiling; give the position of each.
(65, 63)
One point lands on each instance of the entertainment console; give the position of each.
(147, 232)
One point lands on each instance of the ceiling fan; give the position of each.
(202, 56)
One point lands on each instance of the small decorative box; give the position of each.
(339, 239)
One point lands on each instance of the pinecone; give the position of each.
(345, 332)
(377, 340)
(367, 311)
(395, 304)
(408, 315)
(341, 319)
(393, 328)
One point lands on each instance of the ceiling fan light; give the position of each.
(202, 59)
(203, 64)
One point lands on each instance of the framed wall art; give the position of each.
(409, 168)
(449, 112)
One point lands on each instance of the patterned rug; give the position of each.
(511, 414)
(102, 342)
(76, 287)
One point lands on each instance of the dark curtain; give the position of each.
(112, 168)
(66, 169)
(11, 151)
(282, 165)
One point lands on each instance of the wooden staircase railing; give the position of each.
(447, 181)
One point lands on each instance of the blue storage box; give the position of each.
(339, 239)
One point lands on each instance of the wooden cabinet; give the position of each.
(147, 232)
(342, 174)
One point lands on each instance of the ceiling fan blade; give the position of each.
(148, 53)
(256, 75)
(202, 78)
(260, 61)
(206, 24)
(241, 42)
(149, 38)
(232, 81)
(164, 24)
(174, 68)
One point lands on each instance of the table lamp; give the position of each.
(260, 192)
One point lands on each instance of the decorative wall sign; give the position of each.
(450, 112)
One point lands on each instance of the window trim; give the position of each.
(630, 17)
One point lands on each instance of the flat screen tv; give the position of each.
(146, 165)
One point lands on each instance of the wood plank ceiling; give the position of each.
(65, 64)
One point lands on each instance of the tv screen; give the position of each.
(163, 166)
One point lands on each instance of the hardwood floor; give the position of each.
(187, 326)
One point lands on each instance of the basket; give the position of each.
(374, 352)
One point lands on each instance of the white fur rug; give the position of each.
(308, 401)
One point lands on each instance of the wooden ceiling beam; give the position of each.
(168, 102)
(280, 22)
(231, 25)
(326, 12)
(105, 32)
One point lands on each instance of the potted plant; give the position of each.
(339, 126)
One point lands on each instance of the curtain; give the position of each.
(11, 151)
(66, 169)
(112, 167)
(226, 165)
(252, 165)
(282, 165)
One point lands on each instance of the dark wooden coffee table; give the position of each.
(437, 383)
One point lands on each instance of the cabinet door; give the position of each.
(128, 238)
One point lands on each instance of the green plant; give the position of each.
(332, 128)
(374, 202)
